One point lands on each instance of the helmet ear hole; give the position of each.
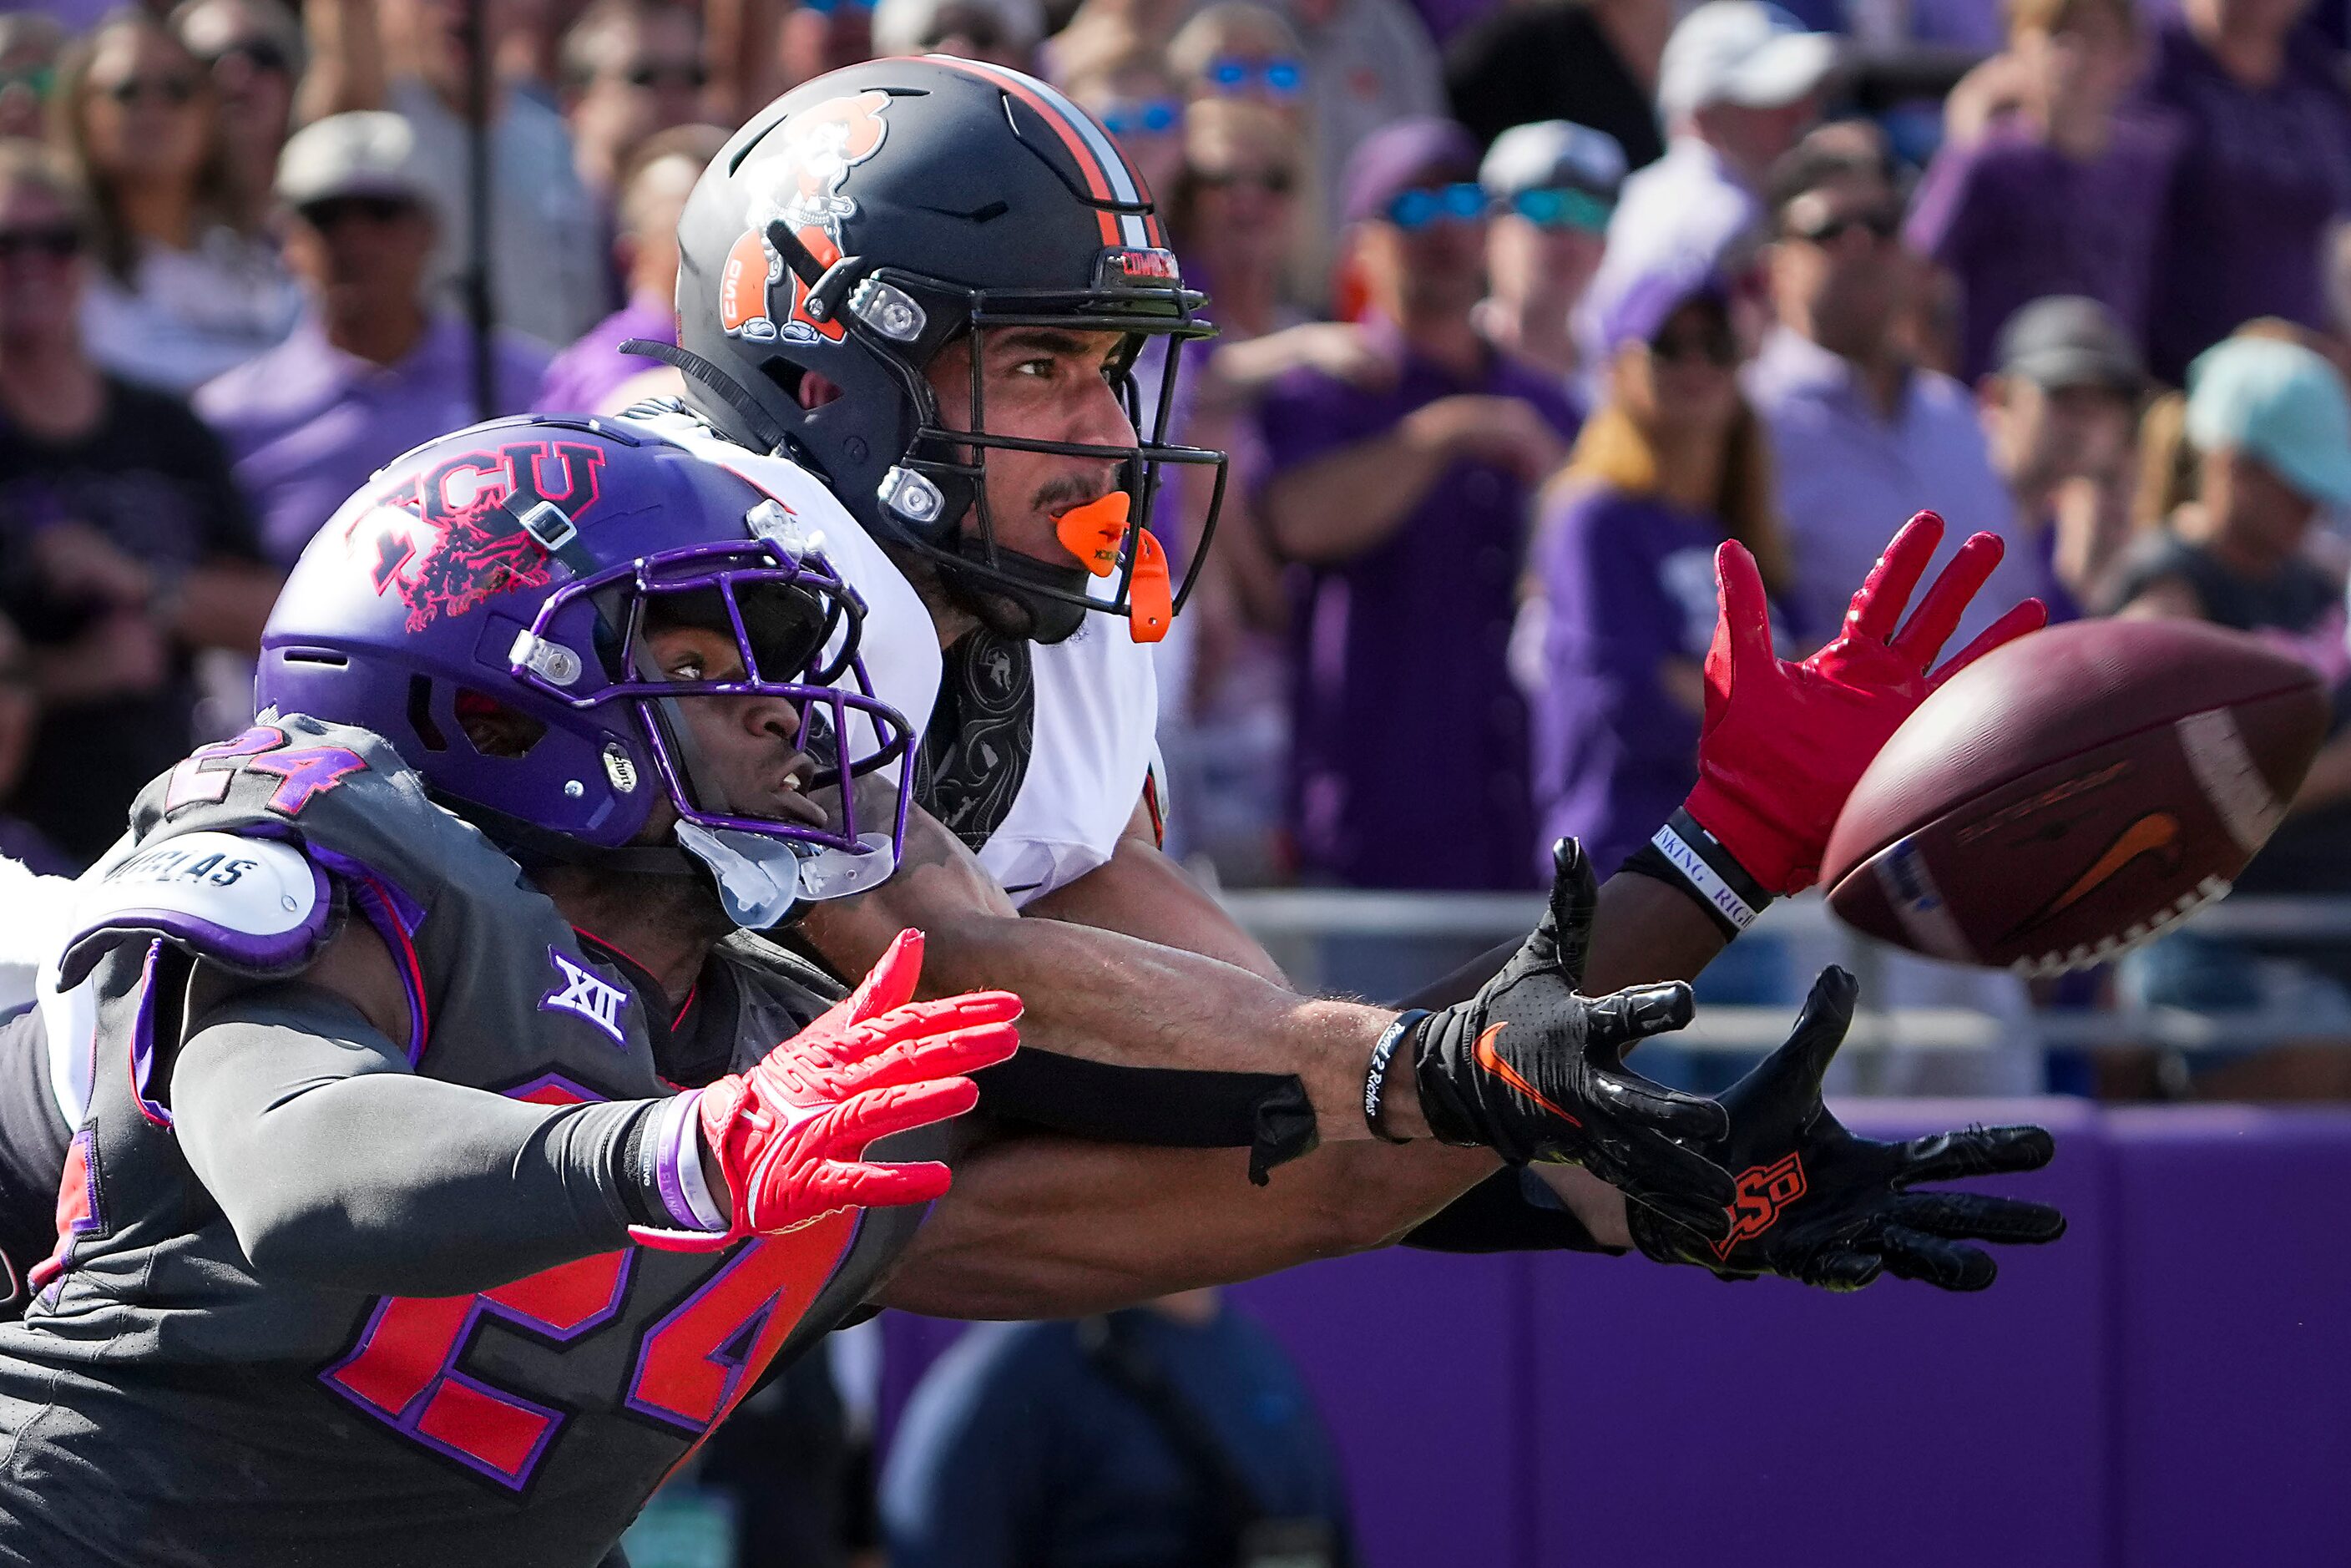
(492, 729)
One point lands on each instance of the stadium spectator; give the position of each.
(374, 368)
(2270, 429)
(2059, 414)
(1003, 32)
(547, 277)
(180, 292)
(1859, 434)
(1172, 1436)
(123, 543)
(1739, 83)
(2065, 196)
(1621, 607)
(1125, 82)
(1407, 504)
(630, 68)
(30, 42)
(1344, 68)
(1592, 62)
(815, 38)
(2264, 169)
(20, 718)
(1553, 186)
(589, 376)
(254, 50)
(1234, 215)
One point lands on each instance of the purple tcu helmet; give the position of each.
(515, 566)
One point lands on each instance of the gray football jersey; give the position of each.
(163, 1403)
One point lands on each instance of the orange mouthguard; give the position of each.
(1094, 531)
(1150, 601)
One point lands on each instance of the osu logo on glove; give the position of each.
(1763, 1192)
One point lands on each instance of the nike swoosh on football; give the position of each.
(1510, 1075)
(2151, 834)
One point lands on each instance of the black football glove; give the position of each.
(1818, 1205)
(1534, 1072)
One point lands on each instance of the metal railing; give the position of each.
(1302, 926)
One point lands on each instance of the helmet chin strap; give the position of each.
(1052, 620)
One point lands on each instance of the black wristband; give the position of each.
(1376, 1077)
(1692, 861)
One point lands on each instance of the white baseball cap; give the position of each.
(366, 153)
(1744, 52)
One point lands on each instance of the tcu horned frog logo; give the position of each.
(799, 184)
(446, 540)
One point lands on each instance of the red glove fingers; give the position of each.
(921, 1040)
(1877, 604)
(2030, 616)
(1922, 641)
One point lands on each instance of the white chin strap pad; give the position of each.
(760, 879)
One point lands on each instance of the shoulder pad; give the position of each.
(256, 905)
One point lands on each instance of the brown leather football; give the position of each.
(2074, 792)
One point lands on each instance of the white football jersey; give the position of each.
(1087, 736)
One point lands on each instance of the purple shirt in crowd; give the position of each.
(2261, 175)
(586, 374)
(2014, 219)
(1408, 765)
(1849, 477)
(1627, 583)
(306, 424)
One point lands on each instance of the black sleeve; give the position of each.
(1510, 1211)
(337, 1163)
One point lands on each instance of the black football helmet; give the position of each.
(872, 216)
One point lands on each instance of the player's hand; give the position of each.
(1818, 1205)
(1783, 744)
(1532, 1070)
(788, 1136)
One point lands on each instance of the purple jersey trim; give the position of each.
(395, 917)
(142, 1040)
(48, 1276)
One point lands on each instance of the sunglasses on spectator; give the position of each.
(667, 73)
(1272, 181)
(1281, 78)
(59, 242)
(1143, 117)
(38, 79)
(1711, 345)
(177, 92)
(1458, 204)
(1562, 207)
(1882, 222)
(827, 8)
(324, 215)
(260, 56)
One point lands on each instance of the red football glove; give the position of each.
(1784, 743)
(790, 1133)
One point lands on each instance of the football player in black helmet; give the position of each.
(937, 285)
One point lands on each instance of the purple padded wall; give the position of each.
(2233, 1426)
(1697, 1422)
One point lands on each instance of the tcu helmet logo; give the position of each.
(579, 991)
(799, 185)
(446, 540)
(1764, 1191)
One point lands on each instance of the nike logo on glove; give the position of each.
(1494, 1064)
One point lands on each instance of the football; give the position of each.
(2073, 793)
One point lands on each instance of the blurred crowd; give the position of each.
(1525, 306)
